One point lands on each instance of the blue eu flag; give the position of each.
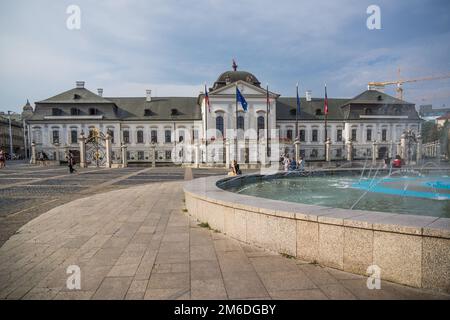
(240, 98)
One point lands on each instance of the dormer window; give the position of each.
(293, 112)
(76, 96)
(367, 111)
(93, 111)
(318, 112)
(174, 112)
(74, 112)
(56, 112)
(148, 112)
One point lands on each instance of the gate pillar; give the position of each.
(108, 150)
(82, 142)
(124, 156)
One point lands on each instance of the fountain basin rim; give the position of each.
(207, 189)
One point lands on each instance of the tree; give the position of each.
(430, 132)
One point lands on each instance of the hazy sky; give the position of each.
(173, 47)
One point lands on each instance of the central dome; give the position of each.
(232, 76)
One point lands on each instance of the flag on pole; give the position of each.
(240, 98)
(325, 110)
(267, 99)
(298, 102)
(207, 100)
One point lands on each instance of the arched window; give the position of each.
(219, 124)
(261, 125)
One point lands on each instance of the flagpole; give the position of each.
(326, 117)
(296, 117)
(206, 126)
(267, 120)
(236, 146)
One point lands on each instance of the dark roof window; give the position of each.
(293, 111)
(367, 111)
(174, 112)
(74, 111)
(93, 111)
(318, 112)
(148, 112)
(56, 112)
(76, 96)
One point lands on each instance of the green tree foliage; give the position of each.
(430, 132)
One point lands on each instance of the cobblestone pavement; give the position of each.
(27, 191)
(140, 243)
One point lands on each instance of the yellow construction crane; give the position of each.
(399, 83)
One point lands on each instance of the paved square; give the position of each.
(139, 243)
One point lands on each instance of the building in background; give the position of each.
(17, 135)
(428, 113)
(172, 125)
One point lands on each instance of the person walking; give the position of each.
(2, 158)
(71, 162)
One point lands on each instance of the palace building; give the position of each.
(188, 130)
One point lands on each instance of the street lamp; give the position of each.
(10, 135)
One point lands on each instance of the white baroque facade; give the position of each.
(187, 130)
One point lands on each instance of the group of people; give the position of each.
(291, 164)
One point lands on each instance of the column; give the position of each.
(297, 150)
(403, 146)
(153, 154)
(263, 153)
(349, 150)
(196, 154)
(57, 152)
(419, 150)
(108, 150)
(374, 152)
(328, 150)
(33, 153)
(82, 143)
(227, 153)
(124, 156)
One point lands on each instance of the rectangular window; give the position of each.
(181, 137)
(56, 112)
(93, 111)
(168, 154)
(111, 133)
(55, 136)
(154, 136)
(140, 136)
(73, 136)
(302, 135)
(140, 155)
(338, 153)
(315, 135)
(339, 135)
(195, 134)
(289, 134)
(126, 136)
(168, 136)
(369, 135)
(353, 134)
(384, 135)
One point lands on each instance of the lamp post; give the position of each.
(10, 135)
